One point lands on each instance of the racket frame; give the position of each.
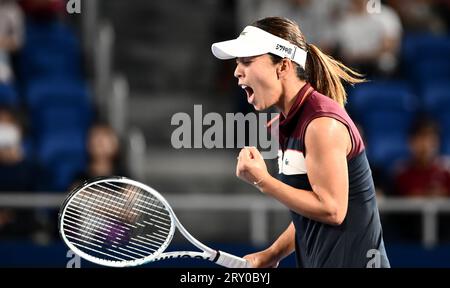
(207, 254)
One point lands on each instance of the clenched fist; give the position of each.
(251, 166)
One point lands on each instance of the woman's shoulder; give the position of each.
(319, 104)
(319, 101)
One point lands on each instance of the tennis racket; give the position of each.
(119, 222)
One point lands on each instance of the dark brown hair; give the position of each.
(323, 72)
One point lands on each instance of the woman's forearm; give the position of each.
(285, 244)
(303, 202)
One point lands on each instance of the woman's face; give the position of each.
(258, 77)
(425, 145)
(103, 143)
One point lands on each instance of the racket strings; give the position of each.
(92, 220)
(88, 232)
(90, 228)
(116, 222)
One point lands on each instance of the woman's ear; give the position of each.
(283, 68)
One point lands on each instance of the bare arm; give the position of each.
(328, 143)
(285, 244)
(271, 257)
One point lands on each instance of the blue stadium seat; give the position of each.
(54, 119)
(70, 142)
(386, 150)
(388, 122)
(51, 49)
(64, 169)
(430, 72)
(385, 111)
(58, 100)
(49, 61)
(66, 92)
(436, 103)
(426, 58)
(424, 46)
(62, 155)
(394, 97)
(8, 95)
(445, 144)
(60, 106)
(46, 28)
(436, 98)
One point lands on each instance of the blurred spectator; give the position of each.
(420, 15)
(11, 36)
(16, 175)
(426, 173)
(43, 9)
(443, 8)
(317, 19)
(374, 55)
(104, 154)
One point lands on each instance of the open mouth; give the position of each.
(250, 93)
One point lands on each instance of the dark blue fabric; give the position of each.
(350, 244)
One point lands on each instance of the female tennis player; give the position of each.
(324, 176)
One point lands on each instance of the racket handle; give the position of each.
(230, 261)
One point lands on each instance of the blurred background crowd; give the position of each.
(58, 124)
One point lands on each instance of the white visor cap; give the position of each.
(253, 42)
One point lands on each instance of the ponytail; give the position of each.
(324, 73)
(327, 75)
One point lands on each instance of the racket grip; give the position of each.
(230, 261)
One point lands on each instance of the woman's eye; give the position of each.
(244, 61)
